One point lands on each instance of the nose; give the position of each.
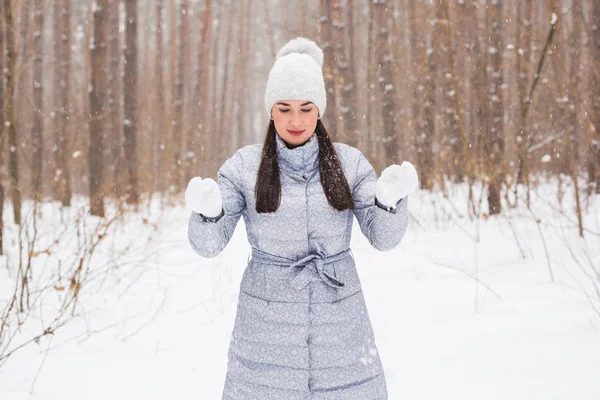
(296, 119)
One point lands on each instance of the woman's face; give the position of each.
(295, 120)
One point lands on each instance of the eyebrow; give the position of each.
(286, 104)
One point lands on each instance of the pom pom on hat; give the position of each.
(297, 75)
(303, 46)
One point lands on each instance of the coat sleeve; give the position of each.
(382, 226)
(209, 236)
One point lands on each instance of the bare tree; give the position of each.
(62, 107)
(23, 22)
(385, 80)
(430, 80)
(566, 62)
(37, 137)
(212, 149)
(199, 134)
(2, 79)
(575, 128)
(524, 37)
(594, 163)
(471, 56)
(10, 129)
(173, 145)
(113, 132)
(245, 109)
(223, 145)
(401, 52)
(566, 65)
(462, 159)
(370, 91)
(160, 110)
(448, 113)
(177, 123)
(329, 70)
(131, 97)
(239, 91)
(338, 33)
(494, 139)
(423, 89)
(350, 78)
(98, 100)
(270, 29)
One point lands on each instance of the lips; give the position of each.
(296, 133)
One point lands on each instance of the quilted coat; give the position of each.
(302, 330)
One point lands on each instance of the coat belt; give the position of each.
(312, 267)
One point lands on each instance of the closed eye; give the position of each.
(287, 110)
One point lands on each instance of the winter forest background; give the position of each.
(109, 108)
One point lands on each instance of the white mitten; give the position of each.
(204, 197)
(396, 182)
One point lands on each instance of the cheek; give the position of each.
(279, 119)
(279, 124)
(312, 121)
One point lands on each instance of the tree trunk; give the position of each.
(442, 56)
(2, 79)
(472, 61)
(174, 138)
(213, 106)
(229, 84)
(22, 77)
(98, 100)
(270, 30)
(247, 109)
(594, 164)
(385, 81)
(23, 22)
(524, 37)
(223, 145)
(351, 80)
(329, 72)
(494, 140)
(199, 141)
(10, 129)
(131, 107)
(178, 123)
(342, 67)
(113, 131)
(37, 137)
(463, 158)
(238, 95)
(62, 108)
(159, 114)
(423, 115)
(574, 128)
(344, 56)
(370, 91)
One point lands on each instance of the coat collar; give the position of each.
(299, 160)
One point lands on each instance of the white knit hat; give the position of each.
(297, 75)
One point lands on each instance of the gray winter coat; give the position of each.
(302, 330)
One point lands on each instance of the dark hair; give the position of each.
(268, 183)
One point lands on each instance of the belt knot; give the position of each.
(313, 267)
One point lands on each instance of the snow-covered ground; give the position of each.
(461, 310)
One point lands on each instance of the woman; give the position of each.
(302, 330)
